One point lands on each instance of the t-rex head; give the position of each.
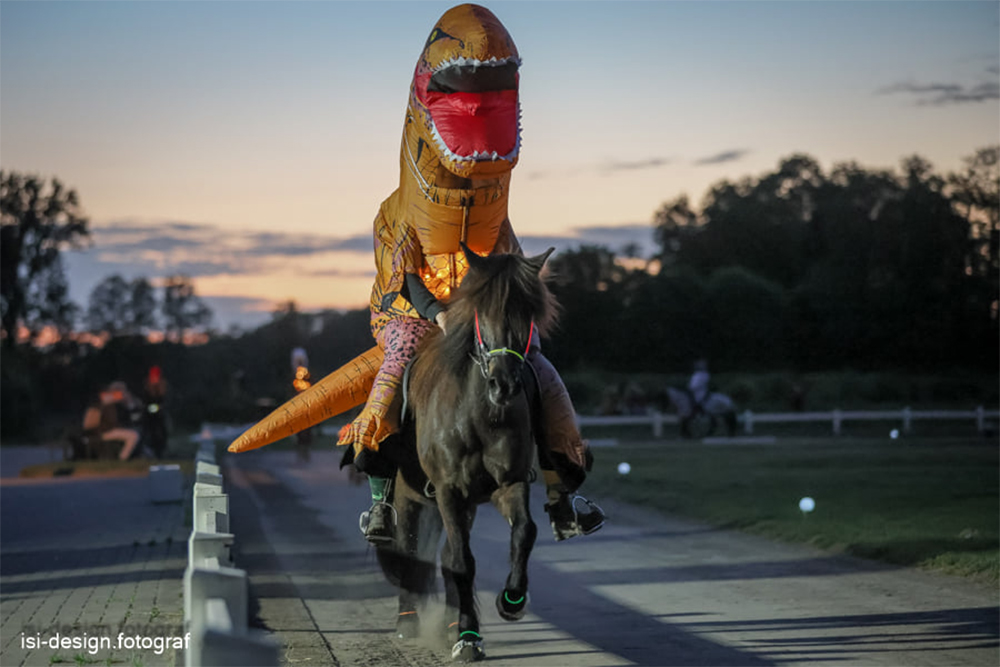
(464, 101)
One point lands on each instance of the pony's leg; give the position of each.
(422, 537)
(450, 623)
(458, 568)
(512, 501)
(450, 593)
(413, 579)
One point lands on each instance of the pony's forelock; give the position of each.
(497, 286)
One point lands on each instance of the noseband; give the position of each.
(483, 355)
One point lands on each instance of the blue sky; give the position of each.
(250, 144)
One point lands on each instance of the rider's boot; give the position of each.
(379, 522)
(570, 514)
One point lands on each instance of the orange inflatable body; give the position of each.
(461, 138)
(458, 149)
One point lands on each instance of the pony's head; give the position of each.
(501, 303)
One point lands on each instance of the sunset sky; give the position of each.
(249, 144)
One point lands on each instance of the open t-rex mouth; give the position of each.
(473, 107)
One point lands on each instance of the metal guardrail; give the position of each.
(216, 606)
(749, 419)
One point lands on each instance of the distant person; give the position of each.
(91, 431)
(698, 384)
(301, 381)
(117, 406)
(154, 395)
(634, 399)
(155, 387)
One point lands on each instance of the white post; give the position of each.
(748, 422)
(980, 419)
(836, 422)
(657, 424)
(907, 419)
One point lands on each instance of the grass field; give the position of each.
(99, 468)
(928, 502)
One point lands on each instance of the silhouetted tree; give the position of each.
(181, 308)
(976, 194)
(142, 306)
(747, 320)
(591, 289)
(285, 309)
(117, 306)
(666, 324)
(673, 224)
(761, 225)
(107, 309)
(874, 266)
(36, 224)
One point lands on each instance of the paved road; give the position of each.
(645, 590)
(84, 559)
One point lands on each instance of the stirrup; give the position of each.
(593, 510)
(365, 519)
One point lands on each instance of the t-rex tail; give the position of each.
(341, 390)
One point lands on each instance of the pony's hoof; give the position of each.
(511, 609)
(468, 650)
(408, 626)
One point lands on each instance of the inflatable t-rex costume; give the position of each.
(460, 142)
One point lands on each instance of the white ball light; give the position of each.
(894, 433)
(624, 468)
(807, 504)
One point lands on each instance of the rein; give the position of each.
(484, 354)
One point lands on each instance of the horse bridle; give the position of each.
(483, 355)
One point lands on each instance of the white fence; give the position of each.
(836, 418)
(215, 591)
(982, 417)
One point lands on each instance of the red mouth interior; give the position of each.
(474, 108)
(475, 122)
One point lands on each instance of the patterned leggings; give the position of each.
(398, 339)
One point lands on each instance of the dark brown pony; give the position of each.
(470, 400)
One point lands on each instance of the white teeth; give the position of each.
(459, 61)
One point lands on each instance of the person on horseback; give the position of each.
(698, 385)
(461, 140)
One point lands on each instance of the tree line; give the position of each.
(38, 221)
(131, 307)
(797, 268)
(800, 269)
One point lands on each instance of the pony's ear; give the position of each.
(538, 261)
(474, 260)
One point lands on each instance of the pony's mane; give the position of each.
(506, 287)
